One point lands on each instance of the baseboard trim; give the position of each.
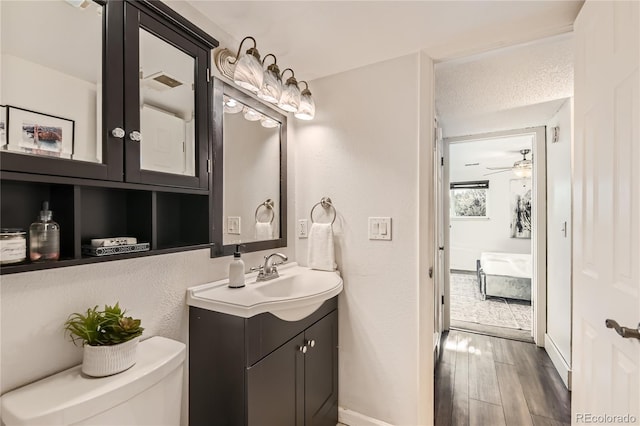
(353, 418)
(558, 360)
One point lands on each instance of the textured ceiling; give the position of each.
(519, 86)
(496, 152)
(320, 38)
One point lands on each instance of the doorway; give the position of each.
(493, 211)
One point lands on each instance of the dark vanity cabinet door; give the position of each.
(321, 372)
(167, 100)
(275, 387)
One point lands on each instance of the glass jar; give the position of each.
(13, 246)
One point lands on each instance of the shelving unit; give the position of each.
(170, 219)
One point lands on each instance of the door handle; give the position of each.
(626, 332)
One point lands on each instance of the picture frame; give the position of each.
(520, 203)
(38, 133)
(3, 126)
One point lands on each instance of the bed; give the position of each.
(504, 275)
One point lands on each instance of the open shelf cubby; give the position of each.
(169, 221)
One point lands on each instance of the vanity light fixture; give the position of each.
(307, 108)
(271, 90)
(232, 106)
(248, 73)
(269, 123)
(251, 114)
(290, 99)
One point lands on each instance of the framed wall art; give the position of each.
(38, 133)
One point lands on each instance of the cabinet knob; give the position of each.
(310, 343)
(303, 349)
(135, 136)
(118, 133)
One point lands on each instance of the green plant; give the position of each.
(102, 328)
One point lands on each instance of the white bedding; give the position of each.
(506, 264)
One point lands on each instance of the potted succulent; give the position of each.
(109, 338)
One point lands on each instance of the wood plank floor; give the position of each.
(488, 381)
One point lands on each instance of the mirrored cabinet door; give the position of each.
(61, 88)
(166, 81)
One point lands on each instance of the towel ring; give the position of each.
(268, 204)
(326, 204)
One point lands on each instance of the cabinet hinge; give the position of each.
(442, 299)
(442, 161)
(208, 75)
(209, 166)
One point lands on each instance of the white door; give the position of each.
(606, 377)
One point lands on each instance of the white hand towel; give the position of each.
(264, 231)
(321, 254)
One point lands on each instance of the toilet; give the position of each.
(149, 393)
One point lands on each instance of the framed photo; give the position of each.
(3, 126)
(520, 226)
(469, 200)
(38, 133)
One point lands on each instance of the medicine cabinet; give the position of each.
(109, 121)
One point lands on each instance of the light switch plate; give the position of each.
(380, 228)
(303, 228)
(233, 225)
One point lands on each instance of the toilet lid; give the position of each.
(69, 397)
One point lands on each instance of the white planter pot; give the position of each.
(100, 361)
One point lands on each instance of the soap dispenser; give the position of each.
(236, 270)
(44, 237)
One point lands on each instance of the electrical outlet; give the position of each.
(303, 225)
(233, 225)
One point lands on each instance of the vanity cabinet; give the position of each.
(263, 370)
(136, 97)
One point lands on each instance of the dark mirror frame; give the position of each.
(220, 88)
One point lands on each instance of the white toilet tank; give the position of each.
(149, 393)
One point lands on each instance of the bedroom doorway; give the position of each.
(493, 191)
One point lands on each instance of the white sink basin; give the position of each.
(296, 294)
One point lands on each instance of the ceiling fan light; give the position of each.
(522, 170)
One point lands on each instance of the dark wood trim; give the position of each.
(113, 89)
(217, 172)
(26, 267)
(182, 24)
(225, 250)
(63, 180)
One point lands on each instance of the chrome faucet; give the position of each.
(269, 270)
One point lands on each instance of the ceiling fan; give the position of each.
(521, 168)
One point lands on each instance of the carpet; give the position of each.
(467, 305)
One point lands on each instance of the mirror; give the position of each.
(254, 177)
(51, 80)
(167, 102)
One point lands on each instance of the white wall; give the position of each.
(362, 150)
(558, 244)
(470, 237)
